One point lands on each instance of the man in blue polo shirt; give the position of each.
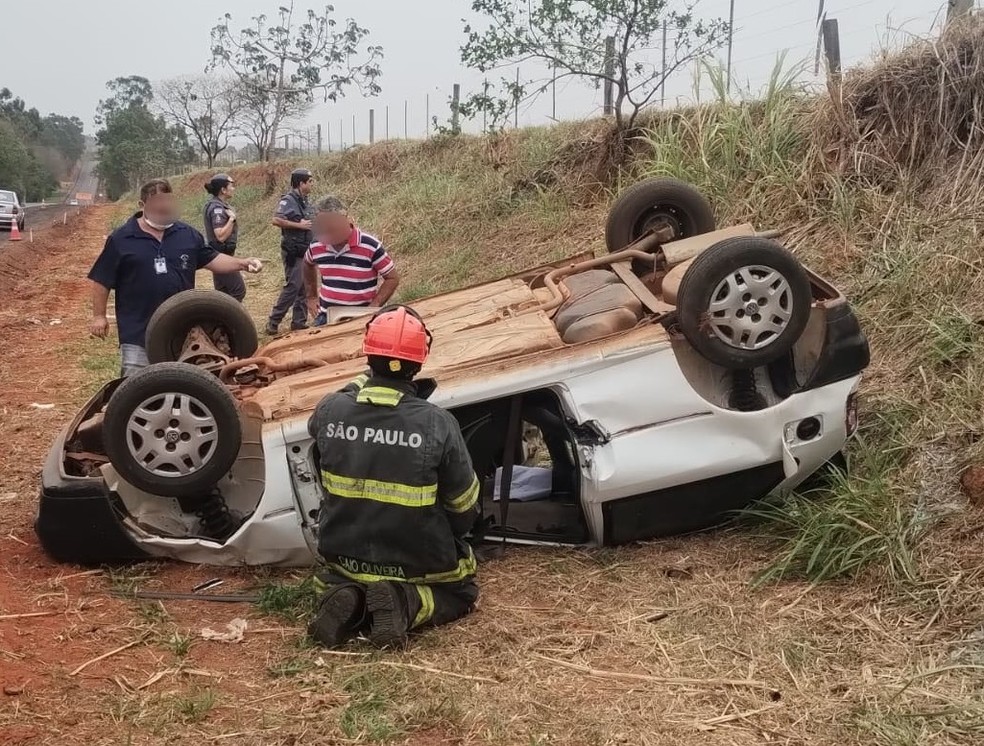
(146, 261)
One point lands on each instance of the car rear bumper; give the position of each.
(77, 520)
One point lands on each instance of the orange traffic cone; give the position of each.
(15, 232)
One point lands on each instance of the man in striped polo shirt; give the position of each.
(344, 266)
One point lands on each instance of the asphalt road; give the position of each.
(40, 217)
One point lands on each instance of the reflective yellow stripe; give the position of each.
(382, 396)
(394, 493)
(360, 381)
(426, 605)
(466, 568)
(466, 500)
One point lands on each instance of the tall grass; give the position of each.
(741, 155)
(854, 523)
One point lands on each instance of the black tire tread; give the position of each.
(183, 310)
(183, 378)
(640, 197)
(706, 271)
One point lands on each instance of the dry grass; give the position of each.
(671, 642)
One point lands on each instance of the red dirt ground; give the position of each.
(43, 318)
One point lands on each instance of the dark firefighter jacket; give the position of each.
(398, 484)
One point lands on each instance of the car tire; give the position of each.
(744, 302)
(655, 202)
(209, 309)
(183, 453)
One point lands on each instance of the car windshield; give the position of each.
(7, 196)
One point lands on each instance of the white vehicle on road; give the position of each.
(606, 400)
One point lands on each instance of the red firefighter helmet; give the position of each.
(397, 332)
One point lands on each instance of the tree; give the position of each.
(206, 107)
(20, 169)
(567, 38)
(293, 59)
(133, 90)
(64, 134)
(134, 144)
(256, 119)
(27, 164)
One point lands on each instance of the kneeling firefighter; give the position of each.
(399, 495)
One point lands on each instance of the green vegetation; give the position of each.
(291, 601)
(36, 151)
(134, 143)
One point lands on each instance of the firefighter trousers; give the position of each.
(428, 605)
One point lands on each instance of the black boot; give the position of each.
(389, 613)
(341, 613)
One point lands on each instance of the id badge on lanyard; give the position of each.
(160, 264)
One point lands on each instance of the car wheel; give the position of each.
(220, 316)
(173, 430)
(744, 302)
(657, 203)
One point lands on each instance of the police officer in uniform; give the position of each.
(222, 232)
(399, 494)
(293, 219)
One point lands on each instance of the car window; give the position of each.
(7, 196)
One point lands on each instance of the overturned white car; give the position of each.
(647, 392)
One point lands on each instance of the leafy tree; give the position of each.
(206, 107)
(568, 37)
(134, 144)
(14, 110)
(283, 65)
(64, 134)
(21, 142)
(19, 168)
(132, 90)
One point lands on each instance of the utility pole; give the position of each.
(319, 139)
(662, 80)
(372, 126)
(485, 111)
(553, 94)
(957, 8)
(328, 135)
(455, 111)
(831, 48)
(516, 107)
(731, 39)
(609, 74)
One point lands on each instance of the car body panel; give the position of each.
(645, 416)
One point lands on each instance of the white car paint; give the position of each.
(660, 433)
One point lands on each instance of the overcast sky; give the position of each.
(58, 54)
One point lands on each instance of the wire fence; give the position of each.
(788, 30)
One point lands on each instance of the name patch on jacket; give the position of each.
(362, 567)
(341, 431)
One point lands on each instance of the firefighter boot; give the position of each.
(341, 612)
(390, 613)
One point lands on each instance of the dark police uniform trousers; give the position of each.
(399, 495)
(216, 216)
(293, 245)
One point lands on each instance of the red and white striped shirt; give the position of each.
(350, 275)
